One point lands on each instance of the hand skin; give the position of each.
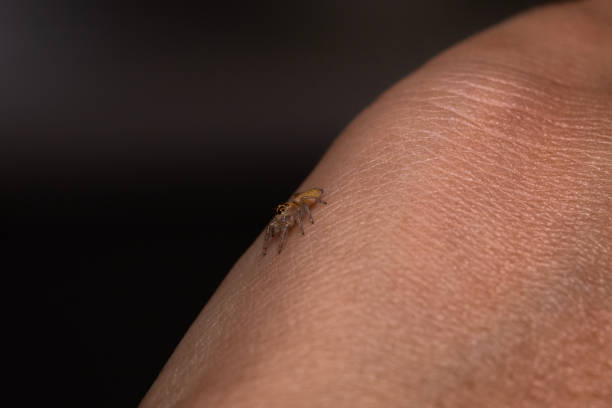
(464, 258)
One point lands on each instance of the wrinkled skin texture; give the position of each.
(465, 256)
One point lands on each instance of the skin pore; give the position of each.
(465, 254)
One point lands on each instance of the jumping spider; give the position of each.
(290, 213)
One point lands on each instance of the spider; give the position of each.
(288, 214)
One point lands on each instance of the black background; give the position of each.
(144, 147)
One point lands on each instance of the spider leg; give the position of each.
(307, 209)
(269, 231)
(298, 219)
(283, 237)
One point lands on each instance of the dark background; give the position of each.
(143, 148)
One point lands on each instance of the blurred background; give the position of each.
(143, 147)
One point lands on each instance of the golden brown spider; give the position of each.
(290, 213)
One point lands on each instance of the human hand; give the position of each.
(465, 256)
